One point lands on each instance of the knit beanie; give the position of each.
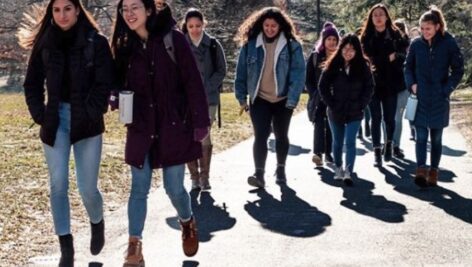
(328, 30)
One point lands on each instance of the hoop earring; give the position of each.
(52, 22)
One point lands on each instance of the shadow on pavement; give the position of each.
(210, 217)
(360, 198)
(452, 152)
(293, 150)
(451, 202)
(291, 216)
(190, 264)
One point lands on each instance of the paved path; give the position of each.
(384, 219)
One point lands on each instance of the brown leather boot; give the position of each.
(189, 237)
(194, 174)
(205, 167)
(433, 177)
(134, 256)
(421, 176)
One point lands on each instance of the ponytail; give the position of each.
(435, 16)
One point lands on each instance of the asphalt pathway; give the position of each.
(382, 220)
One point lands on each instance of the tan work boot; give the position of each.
(205, 161)
(421, 176)
(433, 177)
(194, 174)
(134, 255)
(189, 237)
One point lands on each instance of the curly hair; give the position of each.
(252, 26)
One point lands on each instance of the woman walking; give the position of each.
(324, 48)
(76, 63)
(211, 64)
(346, 86)
(403, 93)
(271, 70)
(170, 114)
(433, 69)
(384, 46)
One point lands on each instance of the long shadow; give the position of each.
(451, 202)
(291, 216)
(367, 144)
(452, 152)
(210, 217)
(360, 198)
(293, 150)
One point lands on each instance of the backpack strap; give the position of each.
(213, 51)
(169, 44)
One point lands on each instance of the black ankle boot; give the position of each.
(67, 251)
(367, 129)
(398, 153)
(388, 151)
(378, 157)
(280, 177)
(98, 237)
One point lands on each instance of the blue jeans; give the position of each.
(87, 154)
(344, 133)
(421, 145)
(402, 98)
(141, 183)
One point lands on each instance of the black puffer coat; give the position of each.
(90, 83)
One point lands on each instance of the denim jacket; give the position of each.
(251, 63)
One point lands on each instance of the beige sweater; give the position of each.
(267, 85)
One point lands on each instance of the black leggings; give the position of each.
(263, 115)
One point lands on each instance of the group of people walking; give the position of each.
(176, 76)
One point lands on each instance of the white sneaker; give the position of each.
(338, 173)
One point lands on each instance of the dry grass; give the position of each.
(25, 220)
(461, 112)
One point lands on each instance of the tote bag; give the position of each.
(411, 106)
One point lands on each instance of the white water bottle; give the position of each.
(126, 107)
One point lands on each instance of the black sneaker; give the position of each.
(256, 180)
(280, 177)
(329, 158)
(398, 153)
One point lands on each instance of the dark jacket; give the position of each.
(388, 75)
(315, 107)
(212, 76)
(346, 95)
(169, 102)
(437, 70)
(89, 85)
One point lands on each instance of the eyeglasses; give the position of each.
(131, 10)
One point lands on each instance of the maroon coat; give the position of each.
(169, 103)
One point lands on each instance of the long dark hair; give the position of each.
(41, 19)
(368, 29)
(123, 37)
(252, 26)
(357, 64)
(435, 16)
(192, 13)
